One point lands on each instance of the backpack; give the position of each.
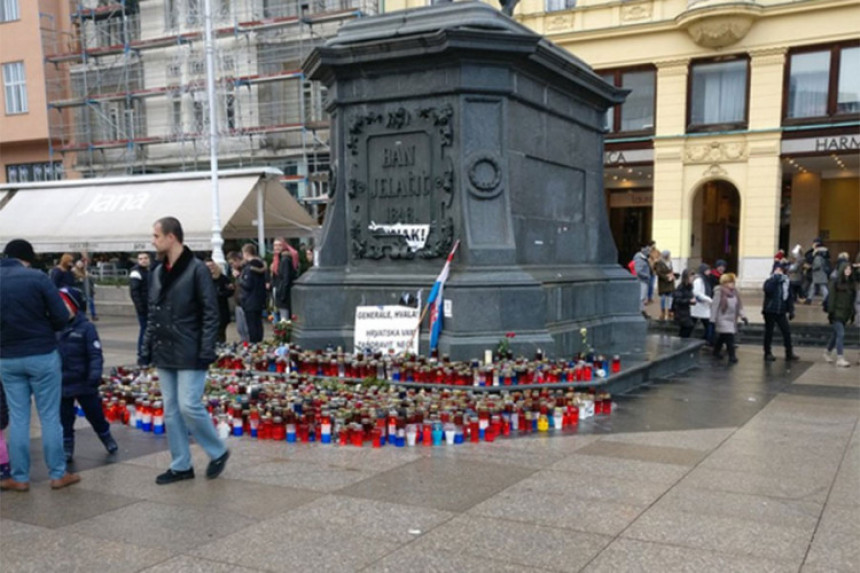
(631, 266)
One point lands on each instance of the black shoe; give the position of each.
(217, 465)
(733, 360)
(769, 357)
(109, 443)
(171, 476)
(791, 357)
(718, 355)
(69, 450)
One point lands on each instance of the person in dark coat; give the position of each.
(252, 284)
(62, 275)
(138, 285)
(716, 272)
(181, 332)
(223, 290)
(83, 360)
(682, 299)
(32, 312)
(821, 270)
(778, 309)
(840, 309)
(285, 266)
(665, 283)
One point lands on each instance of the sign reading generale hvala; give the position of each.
(399, 181)
(380, 328)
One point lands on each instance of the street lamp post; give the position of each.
(217, 240)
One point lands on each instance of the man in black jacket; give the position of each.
(778, 305)
(138, 284)
(181, 331)
(252, 286)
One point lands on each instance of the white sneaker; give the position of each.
(840, 361)
(827, 356)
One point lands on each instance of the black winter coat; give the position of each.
(775, 289)
(282, 281)
(252, 284)
(681, 305)
(83, 360)
(840, 302)
(182, 327)
(138, 284)
(223, 292)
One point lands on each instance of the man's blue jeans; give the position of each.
(41, 377)
(141, 320)
(184, 411)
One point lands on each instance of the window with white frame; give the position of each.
(718, 93)
(15, 88)
(557, 5)
(9, 11)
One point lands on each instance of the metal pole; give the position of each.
(217, 240)
(261, 227)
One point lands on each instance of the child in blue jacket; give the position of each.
(81, 351)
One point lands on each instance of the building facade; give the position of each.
(126, 89)
(741, 132)
(24, 122)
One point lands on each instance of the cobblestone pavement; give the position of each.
(754, 467)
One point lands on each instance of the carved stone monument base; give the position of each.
(456, 123)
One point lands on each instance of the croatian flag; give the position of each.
(434, 300)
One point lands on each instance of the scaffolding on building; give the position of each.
(126, 87)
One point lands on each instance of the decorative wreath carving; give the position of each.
(485, 175)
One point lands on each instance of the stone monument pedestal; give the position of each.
(454, 122)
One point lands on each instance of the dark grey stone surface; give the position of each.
(461, 124)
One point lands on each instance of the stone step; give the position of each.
(802, 334)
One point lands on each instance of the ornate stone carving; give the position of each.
(718, 23)
(485, 175)
(441, 117)
(715, 170)
(559, 22)
(715, 152)
(400, 183)
(357, 126)
(635, 12)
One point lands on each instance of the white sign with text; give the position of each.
(381, 328)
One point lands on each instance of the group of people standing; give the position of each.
(249, 283)
(50, 351)
(710, 297)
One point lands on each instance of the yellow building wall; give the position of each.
(609, 34)
(839, 213)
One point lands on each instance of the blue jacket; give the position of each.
(62, 278)
(83, 360)
(31, 310)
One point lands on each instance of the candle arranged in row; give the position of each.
(329, 410)
(492, 372)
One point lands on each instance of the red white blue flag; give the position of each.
(434, 301)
